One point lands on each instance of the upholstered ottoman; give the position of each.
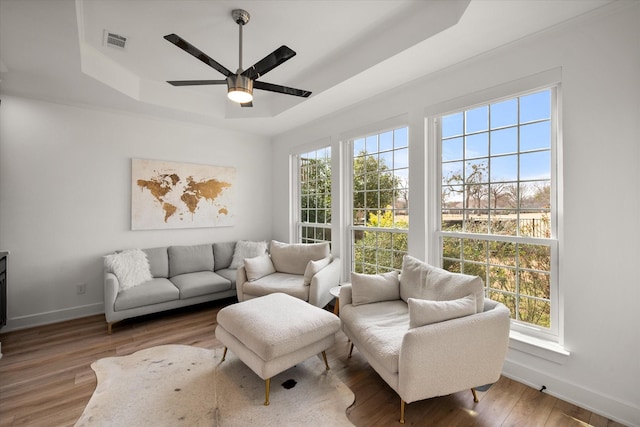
(273, 333)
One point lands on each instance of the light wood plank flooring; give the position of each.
(46, 379)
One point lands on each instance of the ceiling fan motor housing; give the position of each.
(239, 83)
(240, 16)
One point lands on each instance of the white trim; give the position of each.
(55, 316)
(608, 406)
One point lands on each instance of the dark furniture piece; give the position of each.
(3, 288)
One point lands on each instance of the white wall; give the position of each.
(65, 197)
(600, 68)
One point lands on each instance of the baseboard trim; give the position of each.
(39, 319)
(610, 407)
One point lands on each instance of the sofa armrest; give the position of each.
(241, 279)
(450, 356)
(322, 282)
(111, 288)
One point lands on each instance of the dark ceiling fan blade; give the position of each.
(269, 62)
(247, 104)
(196, 82)
(194, 51)
(280, 89)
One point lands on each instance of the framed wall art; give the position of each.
(181, 195)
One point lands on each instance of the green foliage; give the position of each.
(374, 186)
(381, 251)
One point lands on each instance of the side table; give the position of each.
(335, 292)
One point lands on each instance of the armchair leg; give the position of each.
(350, 351)
(401, 411)
(324, 356)
(267, 384)
(475, 396)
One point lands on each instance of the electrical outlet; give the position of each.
(81, 288)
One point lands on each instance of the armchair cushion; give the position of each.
(313, 267)
(293, 258)
(258, 267)
(420, 280)
(426, 312)
(245, 249)
(370, 288)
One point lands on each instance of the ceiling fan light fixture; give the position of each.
(239, 88)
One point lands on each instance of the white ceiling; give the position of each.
(347, 51)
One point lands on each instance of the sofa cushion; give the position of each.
(370, 288)
(291, 284)
(293, 258)
(425, 312)
(422, 281)
(200, 283)
(223, 254)
(230, 274)
(189, 259)
(158, 261)
(245, 249)
(258, 267)
(131, 267)
(314, 267)
(155, 291)
(380, 328)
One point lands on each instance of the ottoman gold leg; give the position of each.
(224, 354)
(324, 356)
(267, 384)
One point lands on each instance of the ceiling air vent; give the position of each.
(114, 40)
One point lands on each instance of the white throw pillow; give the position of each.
(245, 249)
(258, 267)
(425, 312)
(314, 267)
(131, 267)
(423, 281)
(370, 288)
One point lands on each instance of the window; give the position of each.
(314, 177)
(498, 203)
(380, 201)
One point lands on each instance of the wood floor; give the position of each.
(46, 379)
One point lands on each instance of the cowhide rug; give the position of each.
(179, 385)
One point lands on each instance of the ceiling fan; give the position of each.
(240, 84)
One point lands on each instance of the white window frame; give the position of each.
(297, 193)
(350, 227)
(551, 79)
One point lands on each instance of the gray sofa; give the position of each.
(182, 276)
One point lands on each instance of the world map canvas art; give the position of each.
(181, 195)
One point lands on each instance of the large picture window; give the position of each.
(498, 202)
(380, 201)
(314, 198)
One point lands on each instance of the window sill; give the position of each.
(538, 347)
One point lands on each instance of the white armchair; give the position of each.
(427, 333)
(304, 271)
